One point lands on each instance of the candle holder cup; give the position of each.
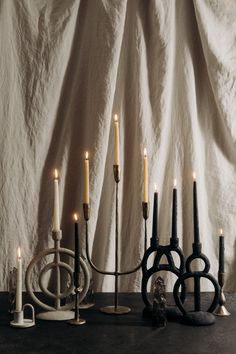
(58, 311)
(114, 309)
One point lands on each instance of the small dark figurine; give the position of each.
(159, 304)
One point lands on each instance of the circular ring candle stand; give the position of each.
(57, 312)
(197, 317)
(221, 309)
(21, 322)
(158, 267)
(114, 309)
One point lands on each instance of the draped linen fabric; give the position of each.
(168, 69)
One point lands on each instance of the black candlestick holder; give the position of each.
(114, 309)
(197, 317)
(158, 267)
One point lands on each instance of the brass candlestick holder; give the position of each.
(221, 309)
(58, 311)
(114, 309)
(77, 320)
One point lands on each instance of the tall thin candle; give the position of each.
(221, 252)
(56, 214)
(154, 239)
(77, 252)
(174, 211)
(145, 176)
(117, 140)
(195, 211)
(19, 282)
(86, 178)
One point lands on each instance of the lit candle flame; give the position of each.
(55, 174)
(86, 155)
(115, 118)
(18, 252)
(221, 232)
(194, 176)
(155, 187)
(145, 152)
(175, 182)
(75, 217)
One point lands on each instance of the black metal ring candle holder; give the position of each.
(114, 309)
(158, 267)
(197, 317)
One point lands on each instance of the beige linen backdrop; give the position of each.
(168, 68)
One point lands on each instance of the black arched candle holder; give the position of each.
(197, 316)
(158, 267)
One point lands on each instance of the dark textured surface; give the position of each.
(119, 334)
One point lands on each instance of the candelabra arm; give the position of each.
(92, 265)
(145, 248)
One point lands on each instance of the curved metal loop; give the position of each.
(38, 258)
(104, 272)
(32, 311)
(192, 257)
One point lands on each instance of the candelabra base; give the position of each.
(78, 322)
(199, 318)
(115, 310)
(56, 315)
(222, 311)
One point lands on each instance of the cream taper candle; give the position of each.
(19, 282)
(86, 178)
(56, 213)
(145, 176)
(117, 140)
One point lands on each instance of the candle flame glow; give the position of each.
(155, 187)
(115, 118)
(145, 152)
(175, 182)
(194, 176)
(86, 155)
(221, 232)
(18, 252)
(75, 217)
(55, 174)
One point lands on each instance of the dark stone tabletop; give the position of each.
(128, 333)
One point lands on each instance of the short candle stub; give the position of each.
(86, 210)
(145, 210)
(116, 170)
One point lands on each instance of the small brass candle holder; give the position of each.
(77, 320)
(221, 309)
(114, 309)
